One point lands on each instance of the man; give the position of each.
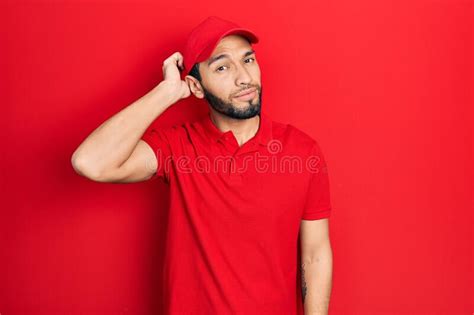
(245, 190)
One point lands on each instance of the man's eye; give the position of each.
(217, 69)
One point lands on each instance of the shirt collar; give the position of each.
(263, 136)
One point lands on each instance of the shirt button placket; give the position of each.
(235, 177)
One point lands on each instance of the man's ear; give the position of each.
(195, 86)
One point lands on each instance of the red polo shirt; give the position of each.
(235, 214)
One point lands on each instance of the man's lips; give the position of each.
(249, 91)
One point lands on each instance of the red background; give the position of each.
(384, 86)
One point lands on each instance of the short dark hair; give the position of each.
(195, 72)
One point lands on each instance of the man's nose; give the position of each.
(243, 76)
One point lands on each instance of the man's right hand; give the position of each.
(172, 82)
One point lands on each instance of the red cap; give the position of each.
(204, 38)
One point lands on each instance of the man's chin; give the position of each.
(245, 114)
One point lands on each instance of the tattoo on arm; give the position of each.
(303, 282)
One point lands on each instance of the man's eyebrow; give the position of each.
(215, 58)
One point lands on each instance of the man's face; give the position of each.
(231, 69)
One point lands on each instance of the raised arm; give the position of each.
(114, 152)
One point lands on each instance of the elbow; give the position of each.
(316, 254)
(83, 168)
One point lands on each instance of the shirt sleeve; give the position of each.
(159, 139)
(318, 203)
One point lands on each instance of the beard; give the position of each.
(231, 110)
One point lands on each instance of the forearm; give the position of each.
(110, 145)
(316, 281)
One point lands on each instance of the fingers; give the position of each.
(180, 60)
(173, 65)
(176, 57)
